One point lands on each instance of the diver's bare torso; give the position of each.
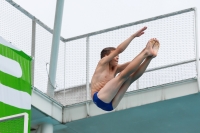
(102, 75)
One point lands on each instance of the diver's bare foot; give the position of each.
(156, 47)
(149, 47)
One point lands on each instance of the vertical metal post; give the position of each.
(87, 68)
(197, 47)
(33, 51)
(64, 72)
(55, 47)
(87, 74)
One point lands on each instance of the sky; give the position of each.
(85, 16)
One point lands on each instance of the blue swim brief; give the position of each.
(101, 104)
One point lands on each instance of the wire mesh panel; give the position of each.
(75, 63)
(177, 39)
(60, 73)
(15, 27)
(42, 57)
(167, 75)
(176, 36)
(72, 68)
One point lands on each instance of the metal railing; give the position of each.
(83, 51)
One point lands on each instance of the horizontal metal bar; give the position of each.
(170, 65)
(13, 117)
(129, 24)
(32, 17)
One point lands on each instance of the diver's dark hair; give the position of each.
(106, 51)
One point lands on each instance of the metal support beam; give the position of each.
(87, 74)
(33, 51)
(197, 48)
(55, 47)
(87, 68)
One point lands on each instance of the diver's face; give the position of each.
(114, 61)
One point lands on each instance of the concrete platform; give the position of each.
(172, 107)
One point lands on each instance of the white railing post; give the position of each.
(197, 47)
(33, 51)
(87, 74)
(87, 68)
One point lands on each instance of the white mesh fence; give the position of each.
(177, 38)
(175, 33)
(75, 73)
(42, 57)
(73, 70)
(167, 75)
(15, 27)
